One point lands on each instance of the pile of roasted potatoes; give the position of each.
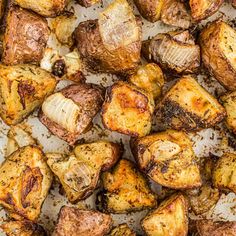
(163, 154)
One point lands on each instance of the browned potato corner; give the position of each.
(125, 190)
(73, 222)
(25, 37)
(88, 3)
(122, 230)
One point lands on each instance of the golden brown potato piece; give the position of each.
(188, 106)
(169, 219)
(210, 228)
(122, 230)
(88, 3)
(47, 8)
(229, 103)
(175, 51)
(23, 89)
(149, 78)
(201, 9)
(233, 2)
(25, 181)
(127, 109)
(150, 10)
(125, 190)
(174, 13)
(25, 38)
(79, 172)
(17, 137)
(113, 42)
(73, 222)
(69, 112)
(224, 175)
(218, 49)
(168, 159)
(22, 228)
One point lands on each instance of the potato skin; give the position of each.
(22, 228)
(188, 106)
(88, 3)
(170, 218)
(214, 59)
(25, 38)
(73, 221)
(46, 8)
(97, 58)
(168, 159)
(89, 97)
(150, 10)
(125, 190)
(133, 109)
(22, 89)
(210, 228)
(25, 182)
(224, 174)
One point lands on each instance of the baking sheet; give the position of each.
(205, 142)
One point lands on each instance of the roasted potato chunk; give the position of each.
(69, 112)
(174, 13)
(22, 228)
(25, 38)
(47, 8)
(88, 3)
(125, 190)
(127, 109)
(18, 136)
(210, 228)
(150, 10)
(224, 174)
(23, 89)
(168, 159)
(149, 78)
(218, 48)
(113, 42)
(188, 106)
(233, 2)
(169, 219)
(201, 9)
(229, 103)
(79, 172)
(73, 221)
(175, 52)
(122, 230)
(25, 181)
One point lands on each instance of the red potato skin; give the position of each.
(25, 37)
(90, 97)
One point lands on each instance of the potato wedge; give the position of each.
(229, 103)
(69, 112)
(79, 172)
(168, 159)
(25, 37)
(25, 181)
(125, 190)
(73, 222)
(149, 78)
(127, 109)
(23, 89)
(201, 9)
(150, 10)
(47, 8)
(224, 174)
(210, 228)
(22, 228)
(188, 106)
(218, 48)
(174, 13)
(113, 42)
(122, 230)
(88, 3)
(169, 219)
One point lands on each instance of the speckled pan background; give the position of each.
(214, 141)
